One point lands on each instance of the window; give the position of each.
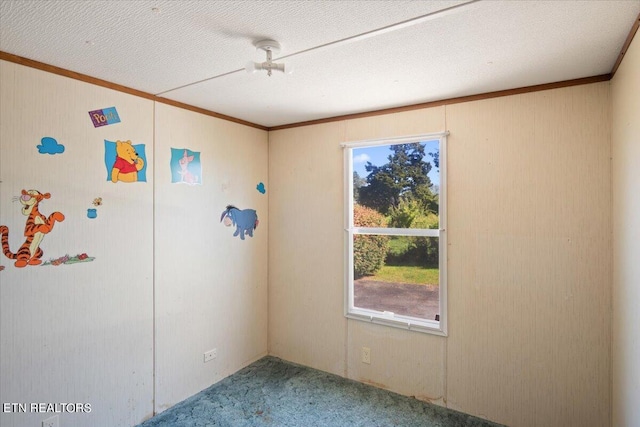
(396, 232)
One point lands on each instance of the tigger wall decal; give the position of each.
(37, 226)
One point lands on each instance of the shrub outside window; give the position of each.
(395, 224)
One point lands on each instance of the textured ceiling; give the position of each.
(348, 56)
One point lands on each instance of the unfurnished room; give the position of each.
(319, 213)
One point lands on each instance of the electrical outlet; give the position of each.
(51, 422)
(366, 355)
(210, 355)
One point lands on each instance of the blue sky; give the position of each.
(378, 155)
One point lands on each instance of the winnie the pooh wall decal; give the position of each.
(125, 162)
(36, 228)
(245, 220)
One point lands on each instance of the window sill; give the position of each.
(396, 321)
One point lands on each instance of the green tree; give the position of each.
(358, 182)
(405, 176)
(403, 215)
(436, 158)
(412, 250)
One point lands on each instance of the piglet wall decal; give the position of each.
(245, 220)
(186, 175)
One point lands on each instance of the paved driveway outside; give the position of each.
(400, 298)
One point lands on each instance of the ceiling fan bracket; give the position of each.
(268, 45)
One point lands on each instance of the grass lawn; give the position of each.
(407, 274)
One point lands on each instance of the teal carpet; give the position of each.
(271, 392)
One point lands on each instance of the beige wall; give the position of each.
(529, 259)
(210, 287)
(84, 332)
(625, 90)
(166, 275)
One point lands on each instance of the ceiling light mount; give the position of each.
(270, 47)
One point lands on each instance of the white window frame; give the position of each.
(386, 318)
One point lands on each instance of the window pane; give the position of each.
(396, 185)
(397, 274)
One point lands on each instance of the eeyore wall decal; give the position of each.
(245, 220)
